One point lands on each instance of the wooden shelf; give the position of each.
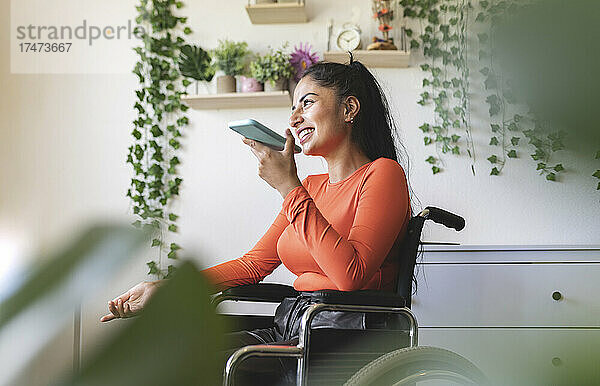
(383, 58)
(275, 13)
(239, 100)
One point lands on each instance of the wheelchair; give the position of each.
(384, 356)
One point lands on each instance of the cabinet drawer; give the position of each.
(508, 295)
(524, 356)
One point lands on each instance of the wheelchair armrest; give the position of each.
(262, 292)
(359, 298)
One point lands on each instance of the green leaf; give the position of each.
(425, 67)
(596, 174)
(414, 44)
(173, 217)
(172, 255)
(492, 159)
(136, 134)
(172, 228)
(495, 127)
(558, 168)
(551, 177)
(425, 127)
(598, 187)
(156, 242)
(456, 150)
(514, 141)
(455, 137)
(494, 141)
(430, 159)
(541, 166)
(597, 155)
(153, 268)
(494, 172)
(175, 247)
(435, 169)
(427, 141)
(512, 154)
(513, 127)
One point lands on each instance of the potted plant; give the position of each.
(229, 57)
(195, 63)
(273, 69)
(247, 82)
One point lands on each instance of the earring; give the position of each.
(352, 120)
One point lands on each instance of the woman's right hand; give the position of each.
(132, 301)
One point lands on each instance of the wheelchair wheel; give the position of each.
(418, 365)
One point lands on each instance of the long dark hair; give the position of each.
(374, 129)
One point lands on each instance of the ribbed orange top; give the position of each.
(332, 235)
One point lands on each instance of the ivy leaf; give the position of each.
(494, 172)
(597, 155)
(515, 141)
(414, 44)
(172, 228)
(408, 32)
(456, 150)
(455, 137)
(456, 124)
(435, 169)
(170, 271)
(490, 82)
(153, 268)
(598, 187)
(136, 134)
(172, 255)
(558, 168)
(541, 166)
(156, 131)
(427, 141)
(492, 159)
(425, 67)
(174, 143)
(512, 154)
(494, 141)
(156, 242)
(175, 247)
(596, 174)
(551, 176)
(430, 159)
(513, 127)
(425, 127)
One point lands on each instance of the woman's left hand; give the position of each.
(277, 168)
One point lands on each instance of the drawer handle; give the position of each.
(556, 295)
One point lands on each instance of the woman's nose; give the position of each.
(295, 118)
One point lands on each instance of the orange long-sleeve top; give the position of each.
(340, 236)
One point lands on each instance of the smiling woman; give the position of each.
(338, 230)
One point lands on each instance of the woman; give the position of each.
(335, 231)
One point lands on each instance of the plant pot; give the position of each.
(225, 84)
(250, 85)
(279, 85)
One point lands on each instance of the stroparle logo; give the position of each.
(80, 32)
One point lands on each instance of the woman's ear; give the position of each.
(351, 109)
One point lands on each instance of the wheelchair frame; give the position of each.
(348, 303)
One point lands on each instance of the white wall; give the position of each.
(63, 143)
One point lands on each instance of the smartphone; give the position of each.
(252, 129)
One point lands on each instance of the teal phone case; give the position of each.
(252, 129)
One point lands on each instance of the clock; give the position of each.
(348, 39)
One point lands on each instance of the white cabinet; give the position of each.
(524, 315)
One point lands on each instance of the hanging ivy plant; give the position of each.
(506, 117)
(157, 129)
(443, 38)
